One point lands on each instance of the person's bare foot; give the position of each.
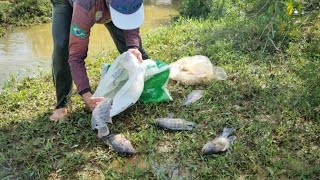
(59, 114)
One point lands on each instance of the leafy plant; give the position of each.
(23, 12)
(195, 8)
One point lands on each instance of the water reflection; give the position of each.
(25, 50)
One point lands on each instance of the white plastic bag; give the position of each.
(195, 70)
(123, 82)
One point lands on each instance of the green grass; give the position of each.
(271, 99)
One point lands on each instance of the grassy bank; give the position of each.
(23, 13)
(271, 98)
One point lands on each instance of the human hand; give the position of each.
(136, 53)
(91, 102)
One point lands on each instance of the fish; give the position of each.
(101, 116)
(193, 97)
(219, 144)
(175, 124)
(121, 144)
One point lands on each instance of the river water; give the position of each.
(27, 50)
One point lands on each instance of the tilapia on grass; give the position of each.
(175, 124)
(221, 143)
(121, 144)
(101, 116)
(193, 97)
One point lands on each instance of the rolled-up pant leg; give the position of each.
(61, 19)
(119, 39)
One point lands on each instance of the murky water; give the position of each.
(28, 50)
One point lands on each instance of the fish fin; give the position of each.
(226, 132)
(231, 138)
(110, 103)
(110, 137)
(109, 121)
(186, 102)
(93, 122)
(192, 125)
(104, 131)
(170, 115)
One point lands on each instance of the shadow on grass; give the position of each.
(36, 147)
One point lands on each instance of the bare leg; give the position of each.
(61, 19)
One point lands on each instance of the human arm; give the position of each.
(133, 42)
(81, 24)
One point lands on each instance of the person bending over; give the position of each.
(71, 24)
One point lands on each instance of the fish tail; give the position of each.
(109, 120)
(227, 131)
(190, 126)
(231, 138)
(170, 115)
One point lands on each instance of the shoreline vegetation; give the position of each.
(270, 51)
(15, 13)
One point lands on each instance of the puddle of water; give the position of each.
(25, 50)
